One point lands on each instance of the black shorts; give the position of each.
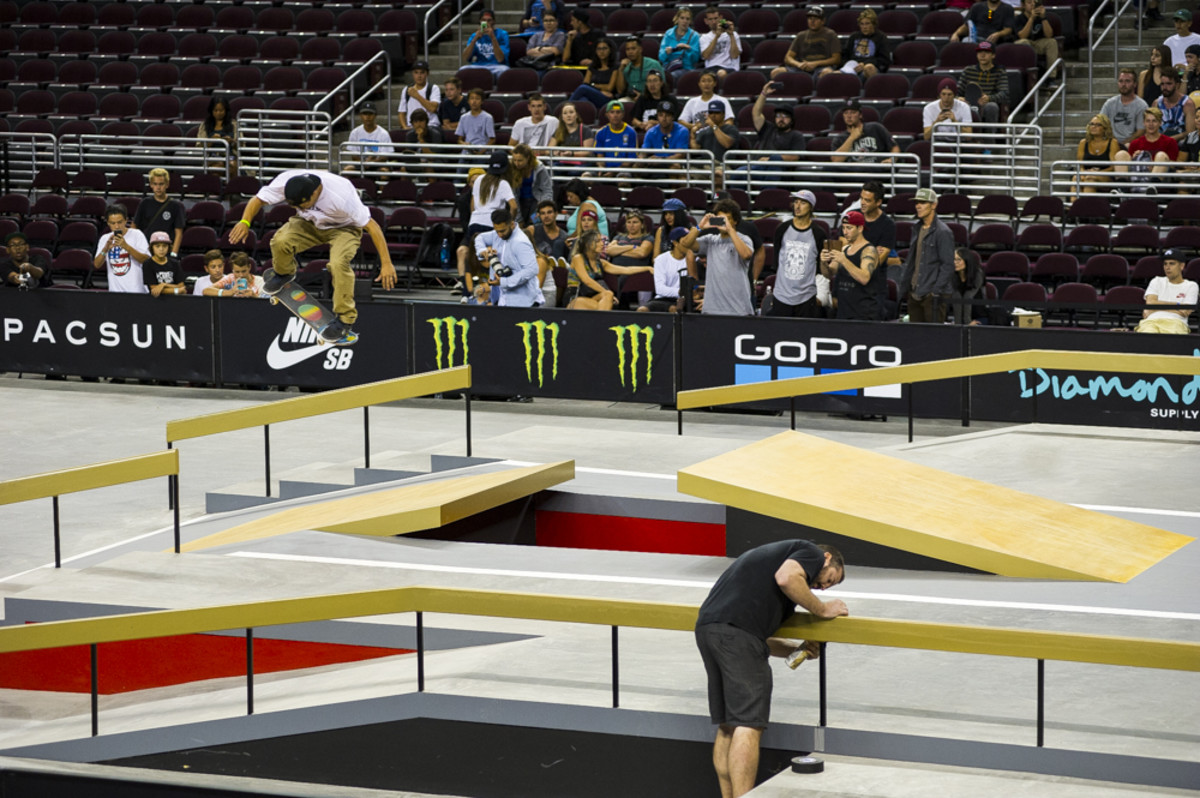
(739, 675)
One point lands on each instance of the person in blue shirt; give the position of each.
(517, 272)
(616, 134)
(668, 138)
(680, 46)
(488, 47)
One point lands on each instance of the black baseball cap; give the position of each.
(300, 188)
(497, 163)
(1176, 253)
(667, 105)
(8, 239)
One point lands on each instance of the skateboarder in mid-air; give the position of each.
(328, 211)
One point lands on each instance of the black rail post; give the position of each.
(616, 680)
(267, 455)
(678, 419)
(57, 542)
(792, 408)
(821, 672)
(173, 479)
(170, 493)
(249, 671)
(420, 652)
(1041, 701)
(909, 391)
(95, 692)
(366, 437)
(966, 401)
(467, 398)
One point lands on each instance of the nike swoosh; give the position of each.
(280, 359)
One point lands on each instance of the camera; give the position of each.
(497, 268)
(27, 281)
(726, 24)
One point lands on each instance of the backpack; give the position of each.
(429, 251)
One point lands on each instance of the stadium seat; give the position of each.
(1184, 210)
(313, 22)
(756, 25)
(812, 120)
(36, 73)
(278, 50)
(156, 78)
(744, 85)
(769, 54)
(555, 83)
(1087, 239)
(1037, 239)
(1136, 240)
(75, 75)
(198, 239)
(1123, 295)
(1041, 205)
(117, 107)
(75, 105)
(1145, 270)
(78, 235)
(1188, 237)
(626, 22)
(898, 25)
(938, 26)
(516, 83)
(1007, 264)
(1077, 293)
(352, 23)
(49, 206)
(1089, 209)
(399, 191)
(883, 91)
(661, 21)
(1105, 271)
(281, 81)
(273, 21)
(318, 52)
(1055, 268)
(1136, 210)
(956, 205)
(233, 19)
(833, 89)
(76, 15)
(913, 59)
(115, 17)
(794, 21)
(996, 205)
(75, 264)
(41, 233)
(475, 78)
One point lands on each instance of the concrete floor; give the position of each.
(114, 539)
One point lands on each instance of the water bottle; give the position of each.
(445, 254)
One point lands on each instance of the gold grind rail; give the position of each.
(939, 370)
(87, 477)
(373, 393)
(994, 641)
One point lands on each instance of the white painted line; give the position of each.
(1104, 508)
(641, 580)
(583, 469)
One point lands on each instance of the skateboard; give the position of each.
(293, 297)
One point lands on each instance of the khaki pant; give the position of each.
(1047, 48)
(1167, 326)
(299, 235)
(929, 309)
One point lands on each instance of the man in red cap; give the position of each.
(856, 279)
(946, 108)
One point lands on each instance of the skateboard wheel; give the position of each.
(808, 764)
(274, 301)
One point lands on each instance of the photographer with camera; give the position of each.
(727, 281)
(511, 261)
(21, 269)
(721, 47)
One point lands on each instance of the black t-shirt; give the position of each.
(7, 267)
(771, 137)
(549, 247)
(170, 272)
(149, 220)
(646, 107)
(881, 232)
(449, 112)
(584, 46)
(746, 595)
(858, 301)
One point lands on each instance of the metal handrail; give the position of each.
(1060, 93)
(348, 83)
(254, 153)
(1065, 178)
(456, 19)
(1093, 43)
(40, 145)
(95, 150)
(819, 170)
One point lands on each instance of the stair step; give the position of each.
(227, 502)
(373, 476)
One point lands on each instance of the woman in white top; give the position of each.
(489, 192)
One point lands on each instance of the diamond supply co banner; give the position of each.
(98, 334)
(616, 357)
(265, 344)
(736, 351)
(1160, 401)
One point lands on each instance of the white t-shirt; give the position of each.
(1184, 293)
(201, 284)
(696, 109)
(524, 131)
(338, 205)
(1178, 46)
(666, 275)
(381, 142)
(721, 58)
(407, 105)
(962, 112)
(483, 210)
(124, 270)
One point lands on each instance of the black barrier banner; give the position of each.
(265, 344)
(98, 334)
(1095, 398)
(615, 357)
(737, 351)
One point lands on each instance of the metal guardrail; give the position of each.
(23, 155)
(817, 170)
(457, 19)
(994, 158)
(374, 393)
(53, 484)
(614, 613)
(1177, 179)
(1093, 42)
(351, 86)
(450, 162)
(109, 154)
(273, 141)
(1041, 107)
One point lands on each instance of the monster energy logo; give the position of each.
(633, 330)
(538, 329)
(455, 328)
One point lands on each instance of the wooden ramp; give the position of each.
(872, 497)
(413, 508)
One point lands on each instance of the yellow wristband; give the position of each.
(243, 221)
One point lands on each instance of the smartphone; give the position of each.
(775, 85)
(483, 25)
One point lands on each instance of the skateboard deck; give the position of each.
(311, 312)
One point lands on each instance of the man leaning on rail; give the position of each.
(752, 599)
